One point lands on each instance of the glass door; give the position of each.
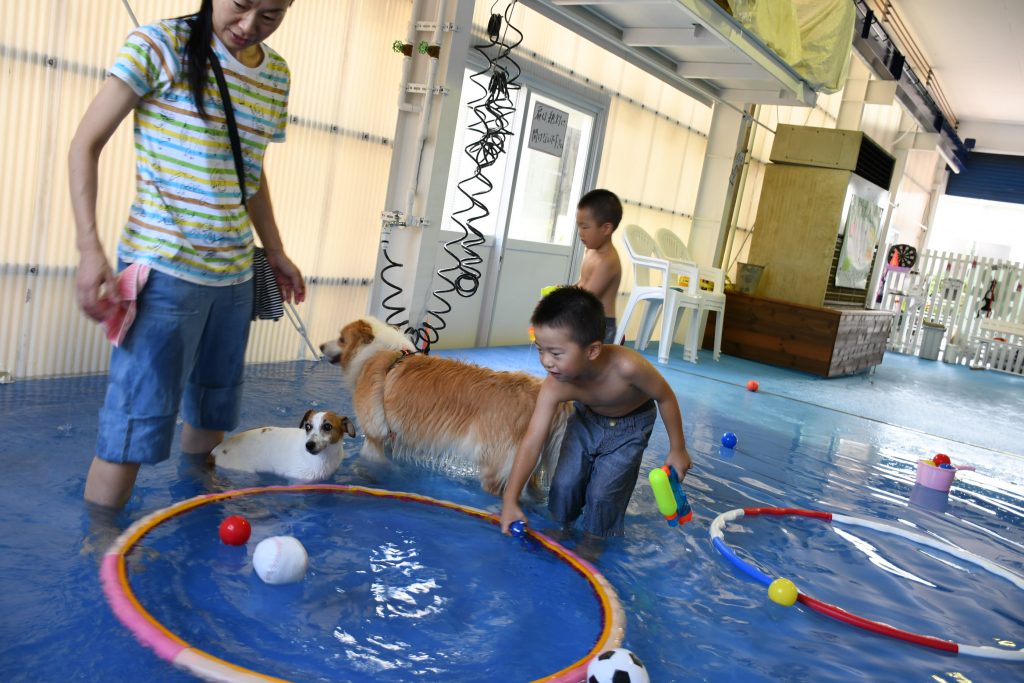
(536, 250)
(529, 225)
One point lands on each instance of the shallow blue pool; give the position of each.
(397, 589)
(690, 614)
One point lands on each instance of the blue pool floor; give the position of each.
(846, 445)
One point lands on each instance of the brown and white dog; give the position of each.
(310, 452)
(440, 410)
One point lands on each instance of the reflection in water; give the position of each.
(872, 554)
(393, 565)
(929, 499)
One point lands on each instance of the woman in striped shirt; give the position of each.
(189, 226)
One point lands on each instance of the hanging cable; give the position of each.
(492, 116)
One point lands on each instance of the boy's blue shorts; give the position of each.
(598, 468)
(185, 349)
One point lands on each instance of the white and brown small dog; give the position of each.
(438, 410)
(308, 453)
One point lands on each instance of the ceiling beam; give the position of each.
(597, 29)
(605, 2)
(741, 96)
(691, 36)
(714, 70)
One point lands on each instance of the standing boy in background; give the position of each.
(615, 390)
(597, 216)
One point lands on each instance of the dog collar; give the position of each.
(405, 353)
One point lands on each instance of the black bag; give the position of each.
(267, 301)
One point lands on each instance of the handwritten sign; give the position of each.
(547, 131)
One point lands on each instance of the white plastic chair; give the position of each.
(666, 293)
(672, 247)
(695, 297)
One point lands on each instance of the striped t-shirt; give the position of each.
(187, 219)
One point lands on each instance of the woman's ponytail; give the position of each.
(197, 52)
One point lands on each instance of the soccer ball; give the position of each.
(617, 666)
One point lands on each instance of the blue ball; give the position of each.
(946, 466)
(517, 528)
(729, 440)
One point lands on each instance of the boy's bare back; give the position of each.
(600, 274)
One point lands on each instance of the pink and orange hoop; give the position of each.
(168, 646)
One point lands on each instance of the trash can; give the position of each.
(931, 339)
(747, 277)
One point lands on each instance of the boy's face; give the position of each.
(592, 233)
(563, 358)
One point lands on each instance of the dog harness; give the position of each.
(405, 353)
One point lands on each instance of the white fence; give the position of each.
(958, 292)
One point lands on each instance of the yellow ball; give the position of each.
(782, 591)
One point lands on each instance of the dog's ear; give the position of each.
(362, 331)
(347, 426)
(305, 416)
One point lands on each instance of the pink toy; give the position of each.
(130, 282)
(939, 478)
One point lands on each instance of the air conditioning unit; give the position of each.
(849, 150)
(823, 201)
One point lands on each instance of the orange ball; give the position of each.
(752, 385)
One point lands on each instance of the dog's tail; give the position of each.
(553, 446)
(496, 480)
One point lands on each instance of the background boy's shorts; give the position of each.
(609, 330)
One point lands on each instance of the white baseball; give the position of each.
(280, 559)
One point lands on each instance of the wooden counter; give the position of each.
(828, 342)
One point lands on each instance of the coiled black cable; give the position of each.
(493, 113)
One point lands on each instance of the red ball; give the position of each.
(235, 530)
(940, 459)
(752, 385)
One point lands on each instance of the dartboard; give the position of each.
(906, 255)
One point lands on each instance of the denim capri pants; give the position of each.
(598, 468)
(185, 349)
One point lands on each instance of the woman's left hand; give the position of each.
(289, 278)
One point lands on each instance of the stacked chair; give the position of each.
(667, 280)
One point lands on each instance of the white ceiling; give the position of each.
(976, 50)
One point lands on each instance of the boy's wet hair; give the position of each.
(604, 205)
(573, 309)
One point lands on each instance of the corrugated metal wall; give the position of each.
(328, 180)
(914, 198)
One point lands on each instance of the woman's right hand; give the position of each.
(95, 284)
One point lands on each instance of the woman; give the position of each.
(189, 224)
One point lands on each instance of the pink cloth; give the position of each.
(130, 282)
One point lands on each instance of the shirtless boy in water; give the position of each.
(597, 216)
